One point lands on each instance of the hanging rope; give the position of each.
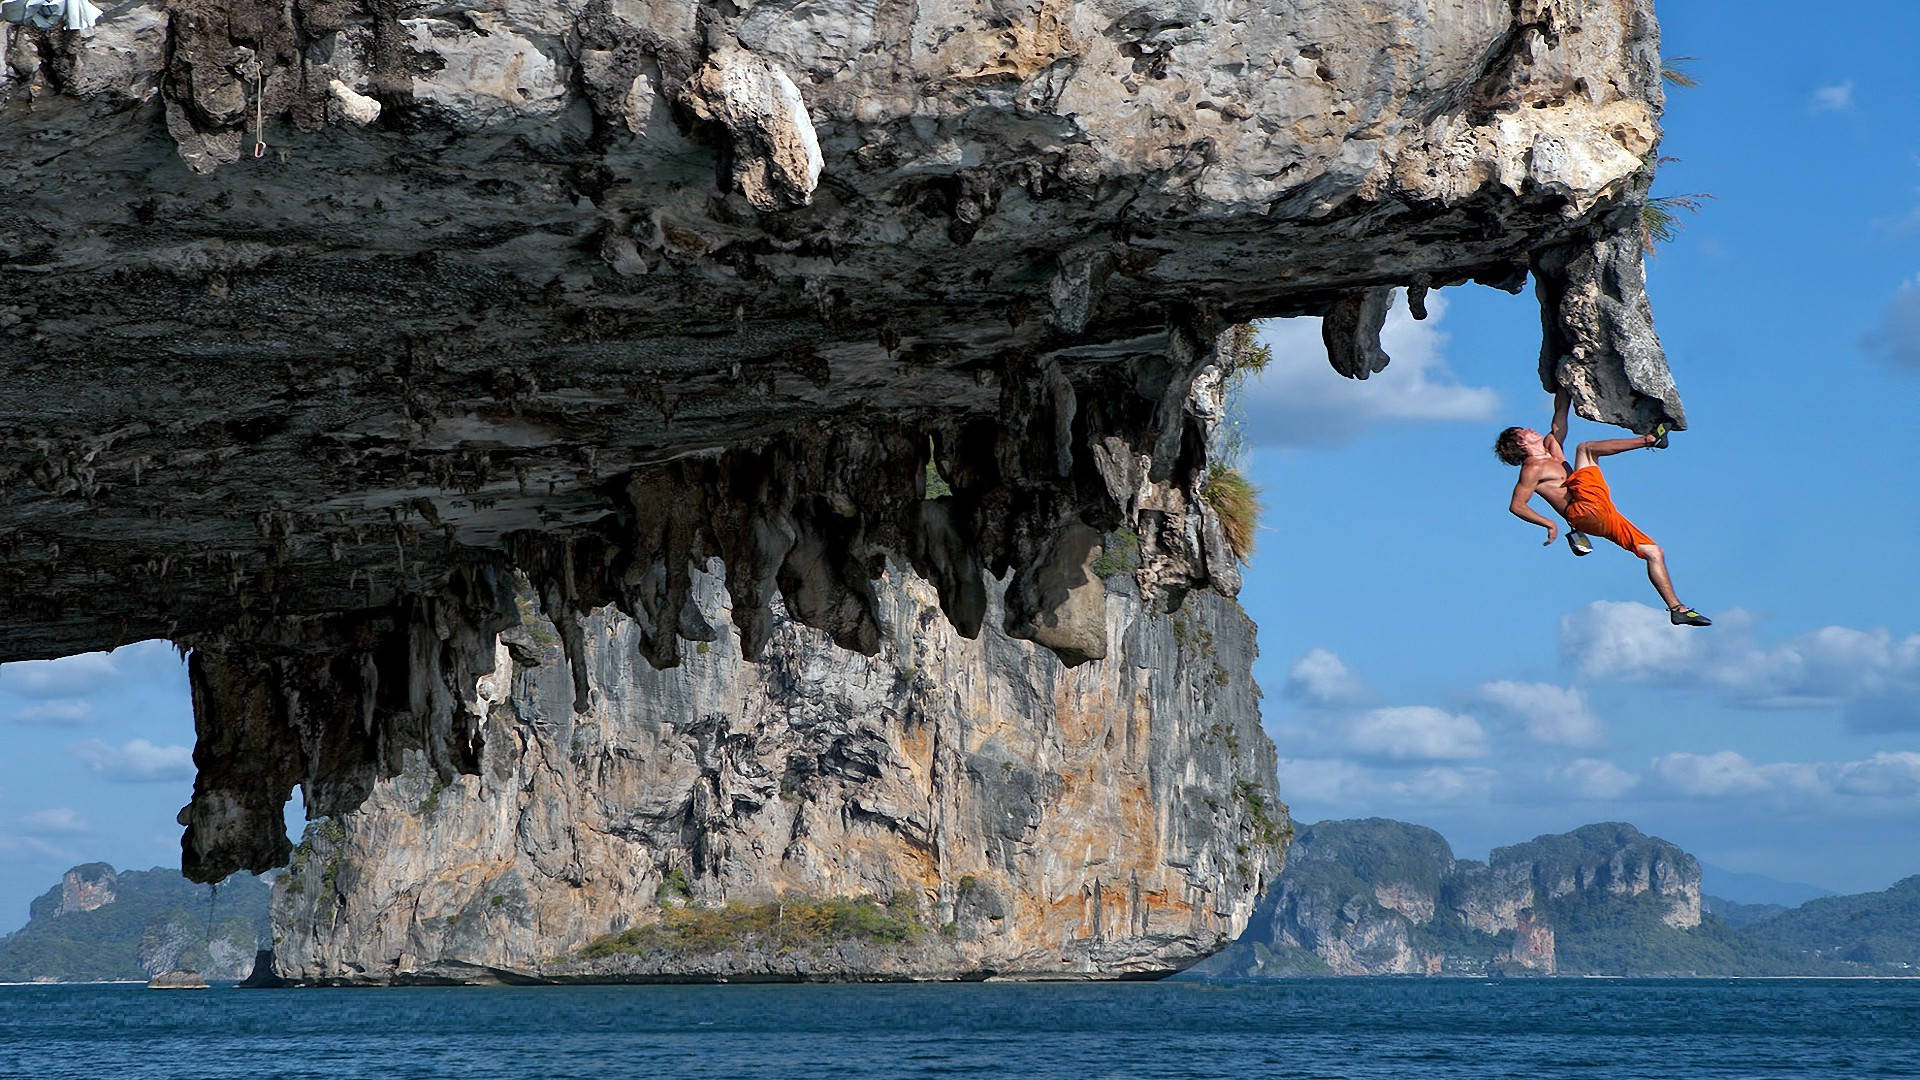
(260, 112)
(212, 890)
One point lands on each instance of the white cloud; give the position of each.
(1729, 772)
(1886, 776)
(1593, 778)
(1872, 676)
(1324, 780)
(85, 673)
(1835, 98)
(1631, 642)
(1556, 715)
(1826, 667)
(1300, 401)
(1898, 336)
(1448, 783)
(55, 821)
(1894, 774)
(1321, 678)
(1416, 733)
(64, 677)
(60, 712)
(1341, 784)
(136, 760)
(11, 843)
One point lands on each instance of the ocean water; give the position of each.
(1321, 1028)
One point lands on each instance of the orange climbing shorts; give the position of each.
(1590, 509)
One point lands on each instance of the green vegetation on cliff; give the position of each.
(1355, 855)
(1624, 935)
(150, 921)
(1877, 929)
(1737, 914)
(796, 923)
(1384, 896)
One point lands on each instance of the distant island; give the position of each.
(1364, 897)
(103, 925)
(1378, 897)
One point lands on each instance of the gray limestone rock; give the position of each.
(1597, 338)
(1067, 600)
(1378, 897)
(1019, 817)
(1351, 330)
(177, 979)
(773, 154)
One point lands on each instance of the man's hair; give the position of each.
(1507, 447)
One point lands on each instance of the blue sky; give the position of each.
(1424, 657)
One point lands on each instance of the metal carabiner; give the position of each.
(260, 112)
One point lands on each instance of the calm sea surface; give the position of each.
(1347, 1028)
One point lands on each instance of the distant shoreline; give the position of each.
(1542, 979)
(79, 982)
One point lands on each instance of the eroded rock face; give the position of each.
(1118, 817)
(1379, 897)
(604, 288)
(85, 888)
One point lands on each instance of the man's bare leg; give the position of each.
(1657, 573)
(1588, 453)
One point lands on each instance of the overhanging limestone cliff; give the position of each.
(1021, 817)
(598, 289)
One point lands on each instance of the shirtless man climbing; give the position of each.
(1579, 494)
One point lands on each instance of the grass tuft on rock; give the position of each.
(1119, 554)
(1237, 502)
(786, 925)
(1660, 218)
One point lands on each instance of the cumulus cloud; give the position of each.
(1897, 338)
(1835, 98)
(11, 844)
(1555, 715)
(1321, 678)
(60, 712)
(135, 761)
(1415, 733)
(65, 677)
(1594, 778)
(1887, 775)
(1341, 782)
(1339, 723)
(1727, 772)
(1631, 642)
(1871, 676)
(58, 820)
(1448, 783)
(82, 674)
(1827, 667)
(1893, 774)
(1299, 400)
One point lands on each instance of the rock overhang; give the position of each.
(596, 291)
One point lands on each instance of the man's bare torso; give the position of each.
(1547, 476)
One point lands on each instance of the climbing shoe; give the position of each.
(1659, 437)
(1578, 541)
(1686, 616)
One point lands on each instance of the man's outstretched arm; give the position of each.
(1562, 401)
(1517, 506)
